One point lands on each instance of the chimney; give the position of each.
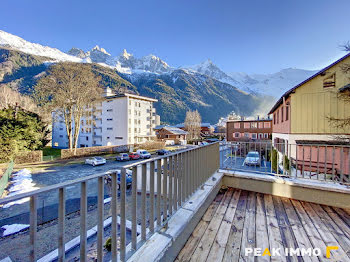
(258, 117)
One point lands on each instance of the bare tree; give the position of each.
(193, 124)
(67, 90)
(343, 94)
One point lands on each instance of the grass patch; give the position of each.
(49, 151)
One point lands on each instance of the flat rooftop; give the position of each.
(239, 219)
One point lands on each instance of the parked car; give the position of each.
(134, 156)
(108, 178)
(252, 159)
(204, 143)
(162, 152)
(143, 154)
(123, 157)
(95, 161)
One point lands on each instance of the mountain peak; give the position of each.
(125, 54)
(100, 49)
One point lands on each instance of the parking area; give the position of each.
(230, 160)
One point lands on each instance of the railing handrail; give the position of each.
(87, 178)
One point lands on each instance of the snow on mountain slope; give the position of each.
(9, 40)
(272, 84)
(259, 84)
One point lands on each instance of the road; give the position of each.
(47, 202)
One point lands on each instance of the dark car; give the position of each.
(134, 156)
(162, 152)
(123, 157)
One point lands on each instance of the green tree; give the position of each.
(20, 130)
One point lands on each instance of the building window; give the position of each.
(266, 135)
(278, 116)
(287, 113)
(260, 136)
(267, 125)
(87, 138)
(109, 128)
(61, 135)
(61, 128)
(109, 119)
(118, 137)
(274, 119)
(236, 125)
(246, 125)
(254, 125)
(109, 110)
(329, 81)
(261, 125)
(253, 136)
(282, 116)
(236, 134)
(246, 135)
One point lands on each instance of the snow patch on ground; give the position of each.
(21, 182)
(14, 228)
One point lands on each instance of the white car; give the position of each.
(95, 161)
(143, 154)
(252, 159)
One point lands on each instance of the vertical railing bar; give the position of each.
(290, 159)
(171, 169)
(100, 229)
(83, 216)
(143, 201)
(159, 189)
(165, 189)
(134, 208)
(151, 195)
(123, 215)
(318, 162)
(333, 156)
(114, 216)
(271, 158)
(277, 160)
(61, 224)
(175, 181)
(33, 226)
(342, 165)
(296, 159)
(179, 199)
(325, 163)
(303, 174)
(310, 160)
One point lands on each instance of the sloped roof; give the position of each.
(182, 125)
(175, 130)
(286, 94)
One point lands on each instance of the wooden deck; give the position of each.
(240, 219)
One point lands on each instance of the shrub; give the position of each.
(286, 163)
(108, 244)
(273, 158)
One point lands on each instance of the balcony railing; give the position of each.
(323, 162)
(165, 183)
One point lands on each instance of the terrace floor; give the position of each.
(239, 219)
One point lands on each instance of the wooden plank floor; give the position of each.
(239, 219)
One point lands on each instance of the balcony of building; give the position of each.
(198, 204)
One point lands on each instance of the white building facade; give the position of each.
(117, 120)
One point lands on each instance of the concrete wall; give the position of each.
(320, 193)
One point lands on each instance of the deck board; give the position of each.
(239, 219)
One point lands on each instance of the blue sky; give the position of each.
(253, 36)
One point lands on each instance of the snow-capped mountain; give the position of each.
(9, 40)
(259, 84)
(210, 69)
(272, 84)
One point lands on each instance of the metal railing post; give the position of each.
(100, 229)
(134, 208)
(122, 214)
(143, 202)
(33, 226)
(159, 191)
(114, 215)
(83, 215)
(151, 195)
(61, 220)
